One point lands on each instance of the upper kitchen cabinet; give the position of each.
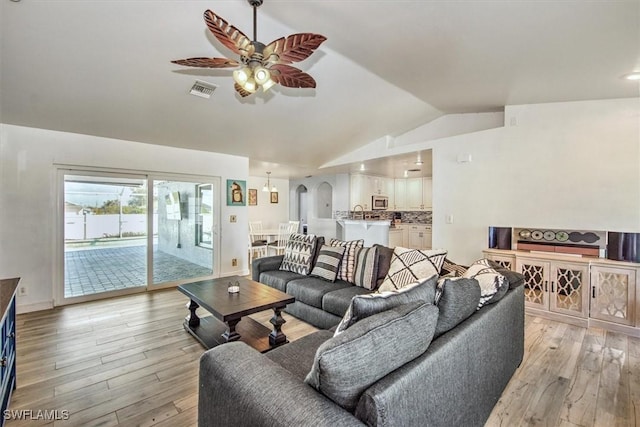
(419, 194)
(359, 192)
(427, 188)
(405, 194)
(399, 195)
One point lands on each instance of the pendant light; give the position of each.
(267, 186)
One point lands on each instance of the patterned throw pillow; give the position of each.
(366, 268)
(412, 265)
(298, 254)
(347, 267)
(491, 282)
(328, 262)
(452, 269)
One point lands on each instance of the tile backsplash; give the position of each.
(416, 217)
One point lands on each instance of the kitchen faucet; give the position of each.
(360, 215)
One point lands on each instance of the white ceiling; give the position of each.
(101, 67)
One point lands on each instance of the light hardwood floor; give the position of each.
(127, 361)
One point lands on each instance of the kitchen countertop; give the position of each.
(366, 221)
(7, 289)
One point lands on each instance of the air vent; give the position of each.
(202, 89)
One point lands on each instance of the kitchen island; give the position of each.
(371, 231)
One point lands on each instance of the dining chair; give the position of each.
(284, 231)
(257, 242)
(295, 226)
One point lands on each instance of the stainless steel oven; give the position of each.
(379, 203)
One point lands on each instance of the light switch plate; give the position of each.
(232, 218)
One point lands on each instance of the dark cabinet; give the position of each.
(7, 341)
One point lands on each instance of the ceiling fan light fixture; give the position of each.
(250, 85)
(268, 85)
(241, 76)
(260, 65)
(262, 75)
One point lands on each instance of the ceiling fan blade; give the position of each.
(294, 48)
(290, 76)
(207, 62)
(243, 93)
(228, 35)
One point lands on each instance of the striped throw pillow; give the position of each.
(348, 265)
(365, 274)
(328, 262)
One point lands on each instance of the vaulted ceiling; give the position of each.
(102, 67)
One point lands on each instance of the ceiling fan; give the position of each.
(260, 65)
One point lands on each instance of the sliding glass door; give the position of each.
(127, 232)
(105, 233)
(184, 225)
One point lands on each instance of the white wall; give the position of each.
(271, 214)
(28, 198)
(562, 165)
(340, 200)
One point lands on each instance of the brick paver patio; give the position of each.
(98, 270)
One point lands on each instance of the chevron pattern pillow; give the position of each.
(411, 266)
(298, 254)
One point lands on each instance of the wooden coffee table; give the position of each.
(228, 309)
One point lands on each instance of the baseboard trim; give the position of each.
(28, 308)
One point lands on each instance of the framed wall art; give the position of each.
(236, 192)
(253, 197)
(274, 197)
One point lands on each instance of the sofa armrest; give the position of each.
(241, 387)
(267, 263)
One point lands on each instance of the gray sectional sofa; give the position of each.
(318, 302)
(419, 363)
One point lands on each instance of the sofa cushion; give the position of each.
(364, 306)
(365, 274)
(328, 262)
(493, 285)
(298, 254)
(456, 298)
(297, 356)
(412, 265)
(348, 264)
(384, 262)
(277, 279)
(310, 290)
(346, 365)
(337, 302)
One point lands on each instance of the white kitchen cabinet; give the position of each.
(419, 194)
(427, 185)
(399, 194)
(381, 186)
(359, 192)
(395, 238)
(363, 187)
(414, 194)
(416, 236)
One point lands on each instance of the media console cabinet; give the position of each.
(581, 290)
